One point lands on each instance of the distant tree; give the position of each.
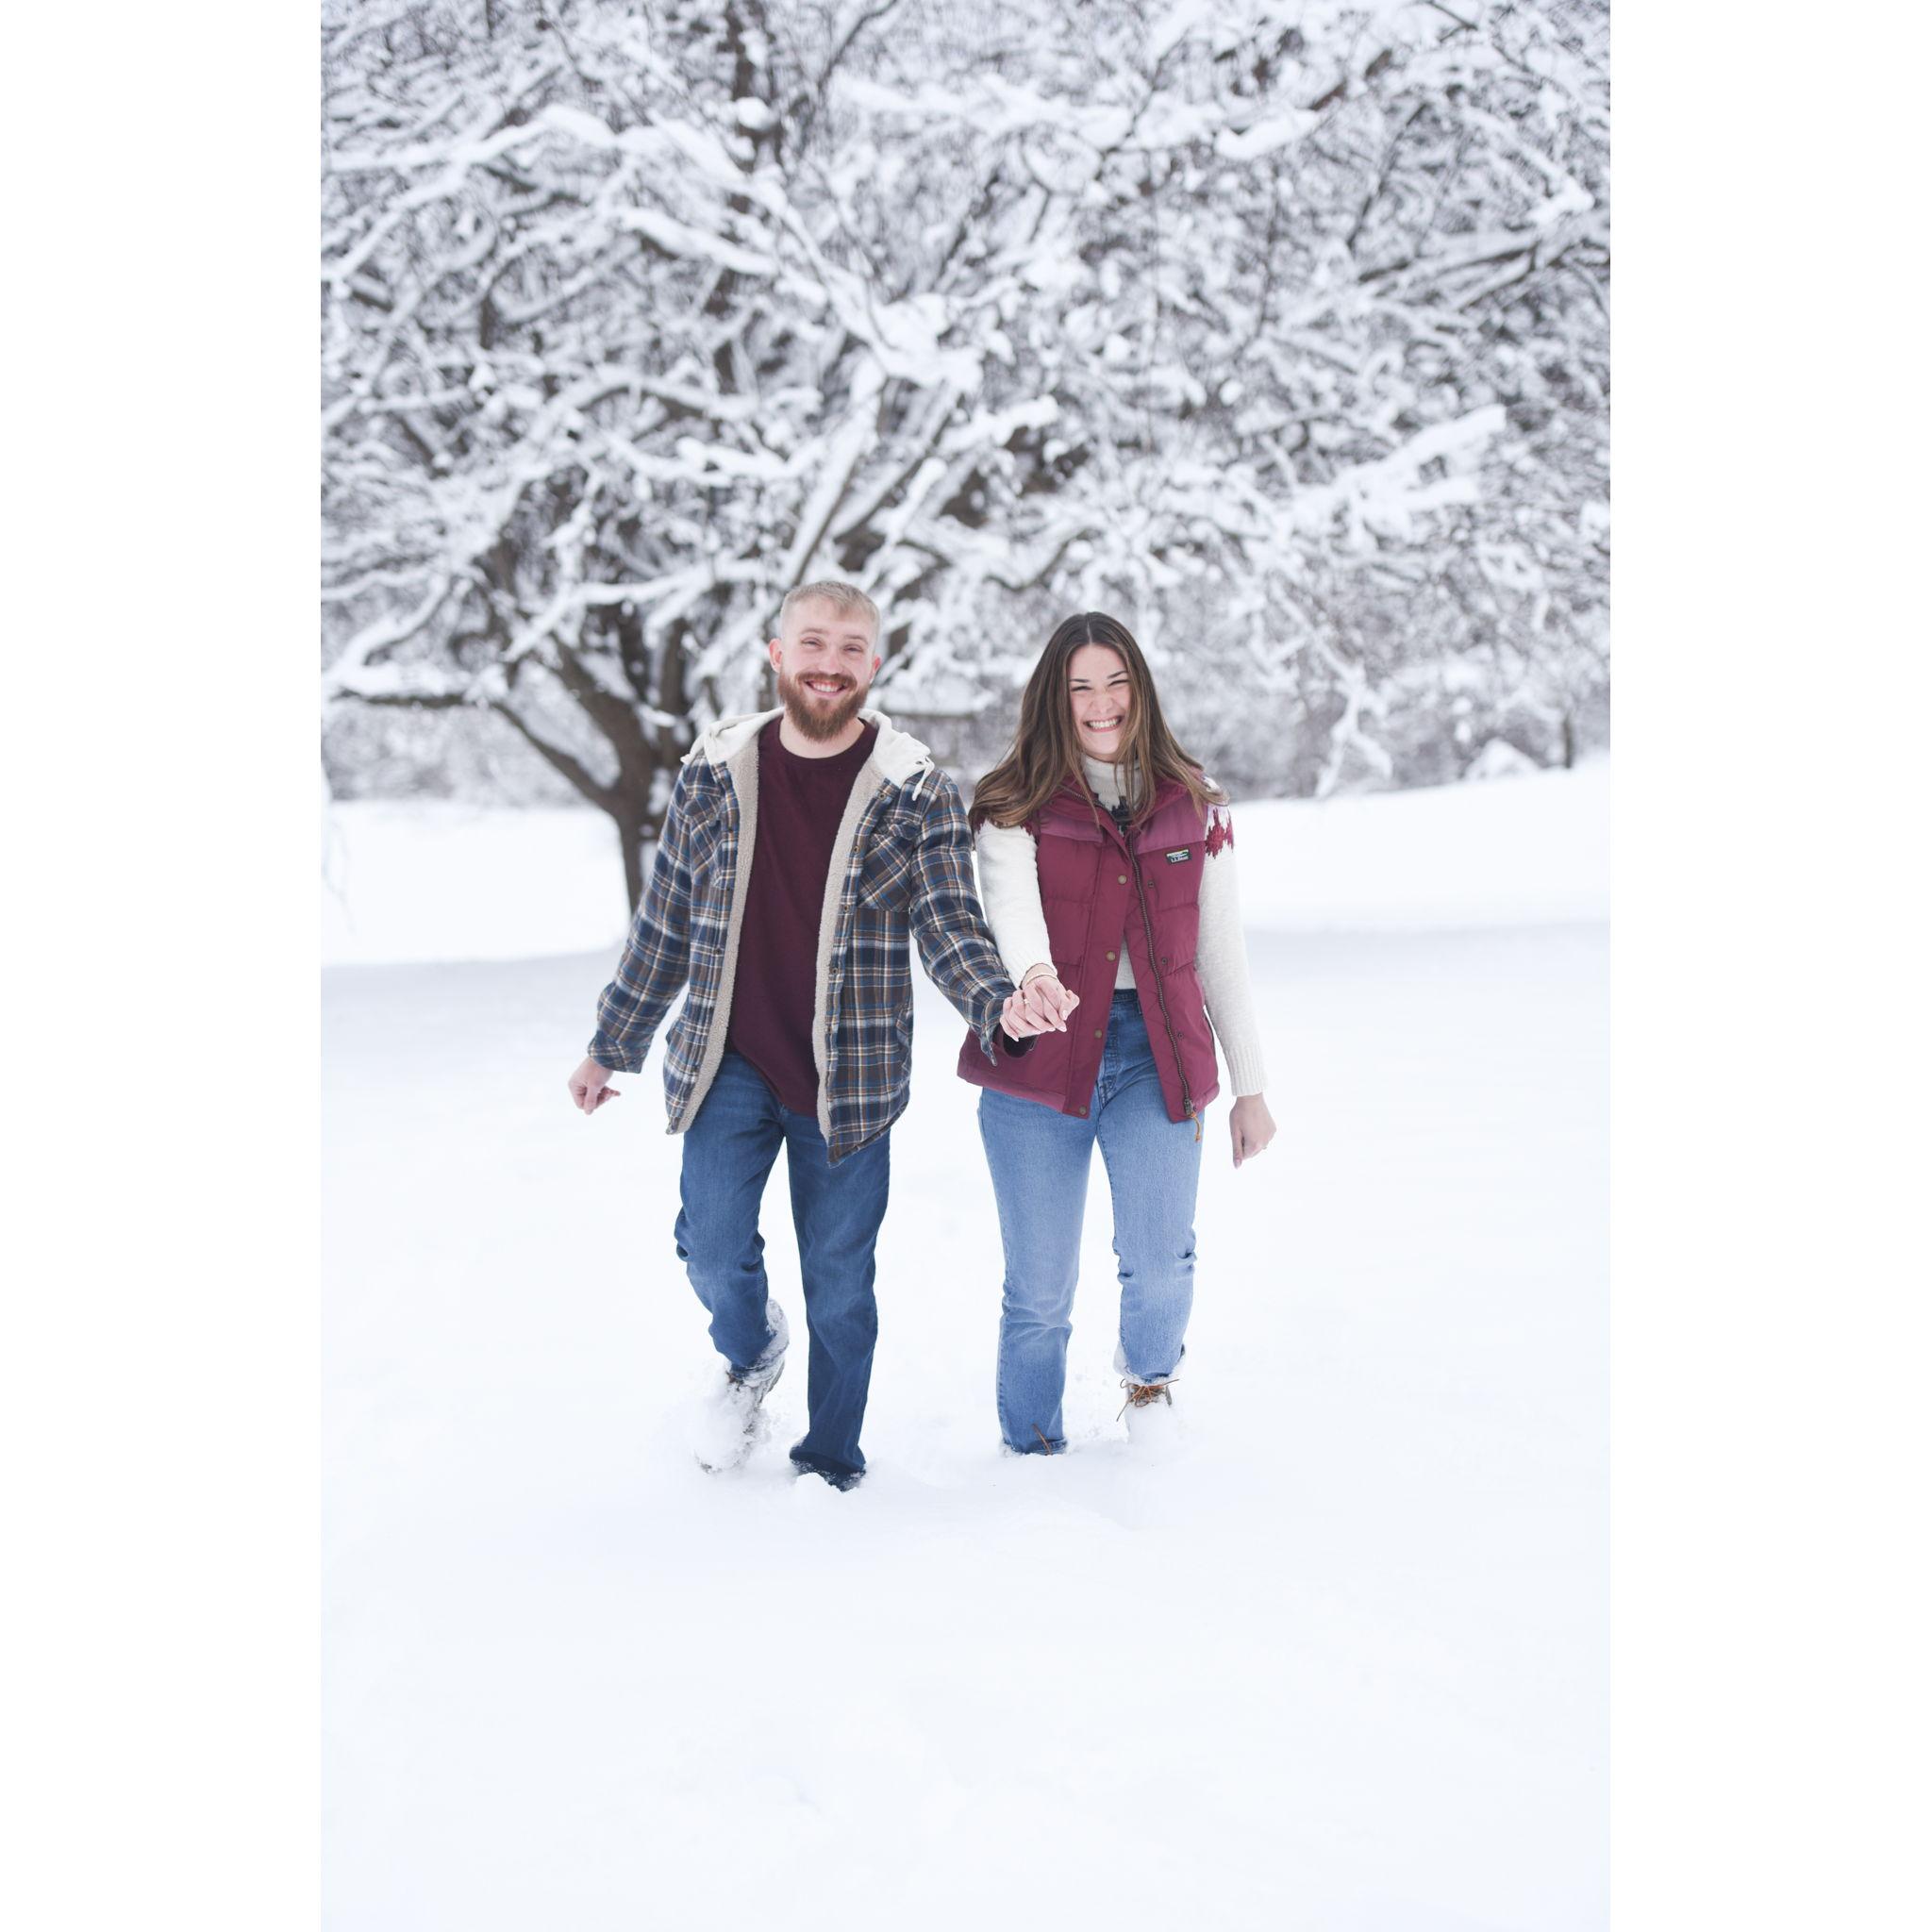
(1278, 327)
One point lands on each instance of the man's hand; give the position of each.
(1250, 1126)
(589, 1087)
(1049, 1005)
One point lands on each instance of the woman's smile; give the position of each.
(1102, 696)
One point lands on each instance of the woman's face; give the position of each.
(1103, 699)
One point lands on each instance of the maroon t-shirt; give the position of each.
(800, 803)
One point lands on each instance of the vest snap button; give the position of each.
(1110, 956)
(1122, 879)
(1098, 1034)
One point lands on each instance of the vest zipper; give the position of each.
(1180, 1066)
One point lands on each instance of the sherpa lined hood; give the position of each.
(898, 755)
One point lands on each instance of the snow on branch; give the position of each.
(1283, 331)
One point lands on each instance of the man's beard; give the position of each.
(814, 717)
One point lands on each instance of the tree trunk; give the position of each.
(630, 837)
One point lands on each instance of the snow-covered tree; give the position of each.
(1278, 329)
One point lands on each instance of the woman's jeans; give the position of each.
(728, 1153)
(1040, 1160)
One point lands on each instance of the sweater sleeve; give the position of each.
(1009, 892)
(1220, 958)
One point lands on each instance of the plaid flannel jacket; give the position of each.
(903, 858)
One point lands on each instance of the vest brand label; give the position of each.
(1180, 858)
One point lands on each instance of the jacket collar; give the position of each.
(898, 755)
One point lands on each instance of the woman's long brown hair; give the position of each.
(1046, 749)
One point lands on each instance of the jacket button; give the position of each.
(1121, 879)
(1098, 1034)
(1110, 956)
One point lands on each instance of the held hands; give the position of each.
(1040, 1005)
(1250, 1126)
(589, 1087)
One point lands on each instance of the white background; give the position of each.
(160, 1408)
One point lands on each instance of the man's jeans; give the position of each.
(1040, 1159)
(728, 1152)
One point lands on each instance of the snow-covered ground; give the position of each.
(1339, 1663)
(447, 881)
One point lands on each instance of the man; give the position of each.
(799, 846)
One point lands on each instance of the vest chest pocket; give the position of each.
(1069, 854)
(1171, 870)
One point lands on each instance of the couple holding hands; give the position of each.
(1096, 964)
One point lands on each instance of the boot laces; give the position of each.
(1140, 1394)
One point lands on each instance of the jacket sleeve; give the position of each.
(957, 950)
(657, 953)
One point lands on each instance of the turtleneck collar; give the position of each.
(1103, 774)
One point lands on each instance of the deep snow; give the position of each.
(1339, 1663)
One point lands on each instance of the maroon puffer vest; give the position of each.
(1100, 892)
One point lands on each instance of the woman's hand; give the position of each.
(1250, 1126)
(1018, 1023)
(1048, 1003)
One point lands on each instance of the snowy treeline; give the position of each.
(1278, 328)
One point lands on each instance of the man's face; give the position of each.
(826, 663)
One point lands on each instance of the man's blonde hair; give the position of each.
(843, 598)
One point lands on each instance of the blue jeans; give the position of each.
(1040, 1159)
(728, 1152)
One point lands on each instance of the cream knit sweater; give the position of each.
(1009, 892)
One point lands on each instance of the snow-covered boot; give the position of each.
(731, 1421)
(1149, 1410)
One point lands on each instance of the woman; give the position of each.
(1107, 872)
